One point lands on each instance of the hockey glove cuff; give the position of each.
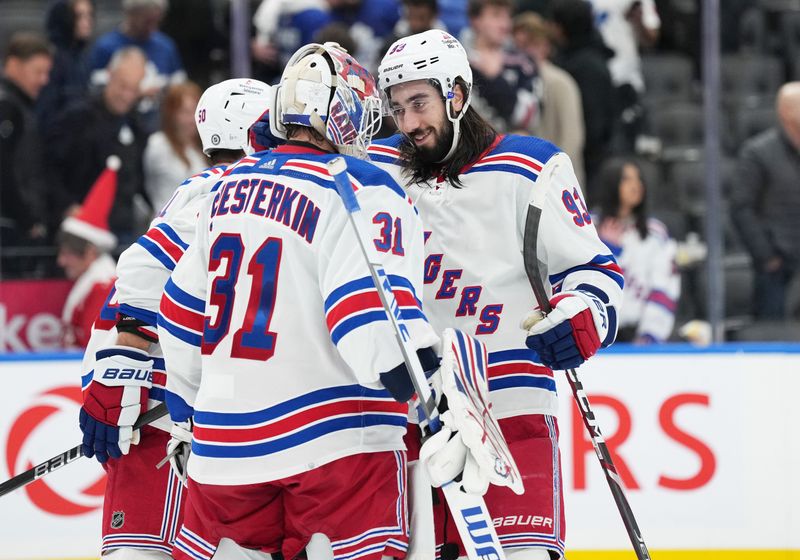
(114, 399)
(571, 333)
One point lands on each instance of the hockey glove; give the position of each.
(470, 442)
(571, 333)
(115, 398)
(179, 448)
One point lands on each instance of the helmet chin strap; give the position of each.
(456, 125)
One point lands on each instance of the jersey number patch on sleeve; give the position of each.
(391, 234)
(252, 340)
(575, 206)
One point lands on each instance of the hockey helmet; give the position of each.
(432, 55)
(227, 110)
(326, 89)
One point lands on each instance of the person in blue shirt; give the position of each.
(139, 28)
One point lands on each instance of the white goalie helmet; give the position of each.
(226, 111)
(432, 55)
(324, 88)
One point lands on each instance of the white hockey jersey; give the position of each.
(142, 272)
(475, 277)
(272, 327)
(652, 281)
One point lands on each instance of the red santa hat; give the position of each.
(91, 220)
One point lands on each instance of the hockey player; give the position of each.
(143, 505)
(278, 344)
(472, 188)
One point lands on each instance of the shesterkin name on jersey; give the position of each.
(270, 200)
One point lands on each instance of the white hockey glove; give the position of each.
(179, 448)
(115, 398)
(470, 441)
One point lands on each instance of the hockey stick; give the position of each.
(70, 455)
(469, 511)
(589, 420)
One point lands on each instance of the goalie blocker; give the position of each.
(488, 452)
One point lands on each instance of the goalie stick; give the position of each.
(589, 420)
(469, 511)
(70, 455)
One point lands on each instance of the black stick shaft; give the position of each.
(589, 420)
(69, 456)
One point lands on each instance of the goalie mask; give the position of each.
(326, 89)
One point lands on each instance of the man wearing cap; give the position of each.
(84, 242)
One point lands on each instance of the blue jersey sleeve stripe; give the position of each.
(505, 168)
(157, 252)
(516, 355)
(345, 289)
(182, 334)
(207, 418)
(364, 284)
(173, 235)
(514, 381)
(600, 263)
(149, 317)
(348, 325)
(156, 393)
(184, 298)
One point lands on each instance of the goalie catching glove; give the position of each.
(571, 333)
(114, 399)
(470, 442)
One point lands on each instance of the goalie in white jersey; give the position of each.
(473, 188)
(277, 341)
(143, 506)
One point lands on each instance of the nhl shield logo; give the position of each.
(117, 519)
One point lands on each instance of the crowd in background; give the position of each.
(614, 83)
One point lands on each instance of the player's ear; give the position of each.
(459, 98)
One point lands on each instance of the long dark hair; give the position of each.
(476, 135)
(609, 181)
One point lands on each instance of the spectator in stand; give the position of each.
(282, 26)
(23, 185)
(174, 152)
(627, 25)
(105, 124)
(766, 204)
(69, 24)
(139, 28)
(643, 250)
(418, 16)
(507, 84)
(191, 25)
(561, 120)
(84, 242)
(584, 56)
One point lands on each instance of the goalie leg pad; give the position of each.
(483, 455)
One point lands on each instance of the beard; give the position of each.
(434, 154)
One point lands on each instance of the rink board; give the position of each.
(705, 442)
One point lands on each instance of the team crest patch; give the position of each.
(117, 519)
